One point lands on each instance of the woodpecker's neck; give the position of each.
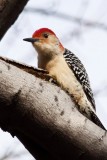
(44, 59)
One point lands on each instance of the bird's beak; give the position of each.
(32, 40)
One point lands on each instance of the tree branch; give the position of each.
(9, 11)
(45, 118)
(74, 19)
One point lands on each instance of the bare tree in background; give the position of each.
(10, 154)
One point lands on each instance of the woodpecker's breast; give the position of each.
(59, 69)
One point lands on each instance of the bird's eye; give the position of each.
(45, 35)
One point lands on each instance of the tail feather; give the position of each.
(96, 120)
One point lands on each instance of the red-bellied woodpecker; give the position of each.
(66, 69)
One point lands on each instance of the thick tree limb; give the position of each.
(9, 11)
(41, 114)
(40, 73)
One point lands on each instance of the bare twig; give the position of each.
(66, 17)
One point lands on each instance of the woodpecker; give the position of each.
(66, 69)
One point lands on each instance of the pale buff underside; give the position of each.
(59, 70)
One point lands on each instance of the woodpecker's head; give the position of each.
(46, 42)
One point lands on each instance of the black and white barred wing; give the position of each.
(80, 73)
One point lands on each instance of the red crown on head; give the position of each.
(38, 32)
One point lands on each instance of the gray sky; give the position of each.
(86, 38)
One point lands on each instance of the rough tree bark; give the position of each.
(9, 11)
(45, 118)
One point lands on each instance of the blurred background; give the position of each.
(81, 25)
